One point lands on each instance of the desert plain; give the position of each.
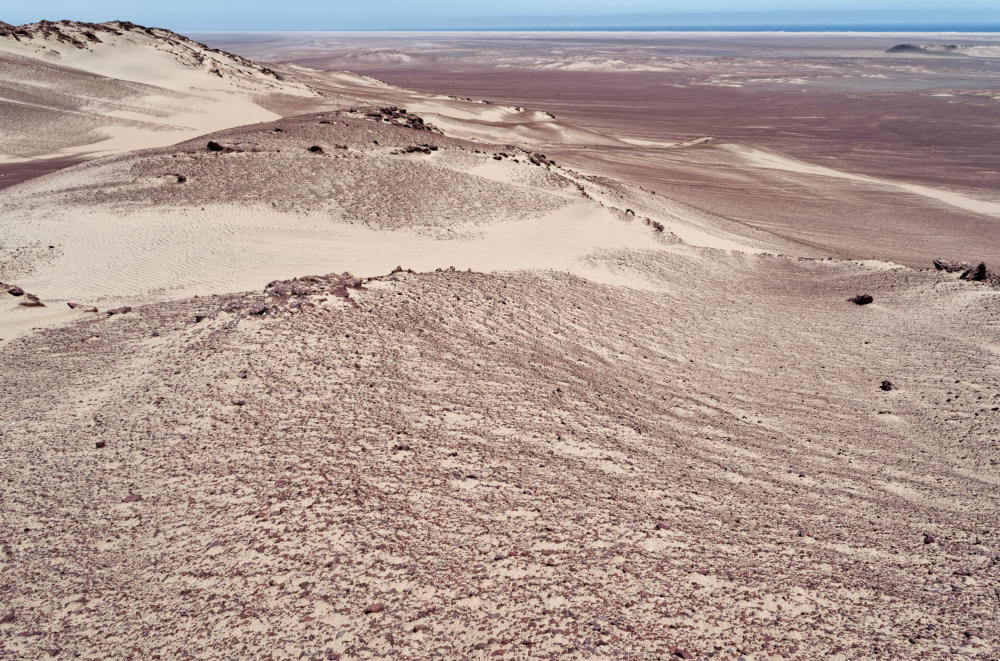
(535, 345)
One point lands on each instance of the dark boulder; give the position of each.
(977, 274)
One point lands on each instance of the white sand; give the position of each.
(188, 91)
(111, 258)
(771, 160)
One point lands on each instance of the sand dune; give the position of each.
(764, 159)
(72, 89)
(184, 220)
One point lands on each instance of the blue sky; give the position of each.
(425, 14)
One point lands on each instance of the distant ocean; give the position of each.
(880, 27)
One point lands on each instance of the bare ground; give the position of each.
(514, 465)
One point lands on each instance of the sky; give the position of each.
(458, 14)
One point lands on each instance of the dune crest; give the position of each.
(72, 89)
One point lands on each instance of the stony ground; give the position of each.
(520, 465)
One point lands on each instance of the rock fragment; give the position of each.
(951, 266)
(31, 301)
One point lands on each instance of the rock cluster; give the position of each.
(400, 117)
(29, 300)
(420, 149)
(977, 273)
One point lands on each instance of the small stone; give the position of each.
(684, 654)
(8, 618)
(662, 525)
(85, 308)
(122, 310)
(242, 374)
(14, 290)
(887, 386)
(100, 444)
(374, 608)
(861, 299)
(31, 301)
(928, 538)
(420, 627)
(132, 498)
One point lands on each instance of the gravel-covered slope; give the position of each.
(523, 465)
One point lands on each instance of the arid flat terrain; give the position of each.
(383, 366)
(879, 150)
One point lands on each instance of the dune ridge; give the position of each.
(72, 89)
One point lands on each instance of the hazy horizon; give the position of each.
(303, 15)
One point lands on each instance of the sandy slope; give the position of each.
(71, 89)
(764, 159)
(126, 230)
(518, 465)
